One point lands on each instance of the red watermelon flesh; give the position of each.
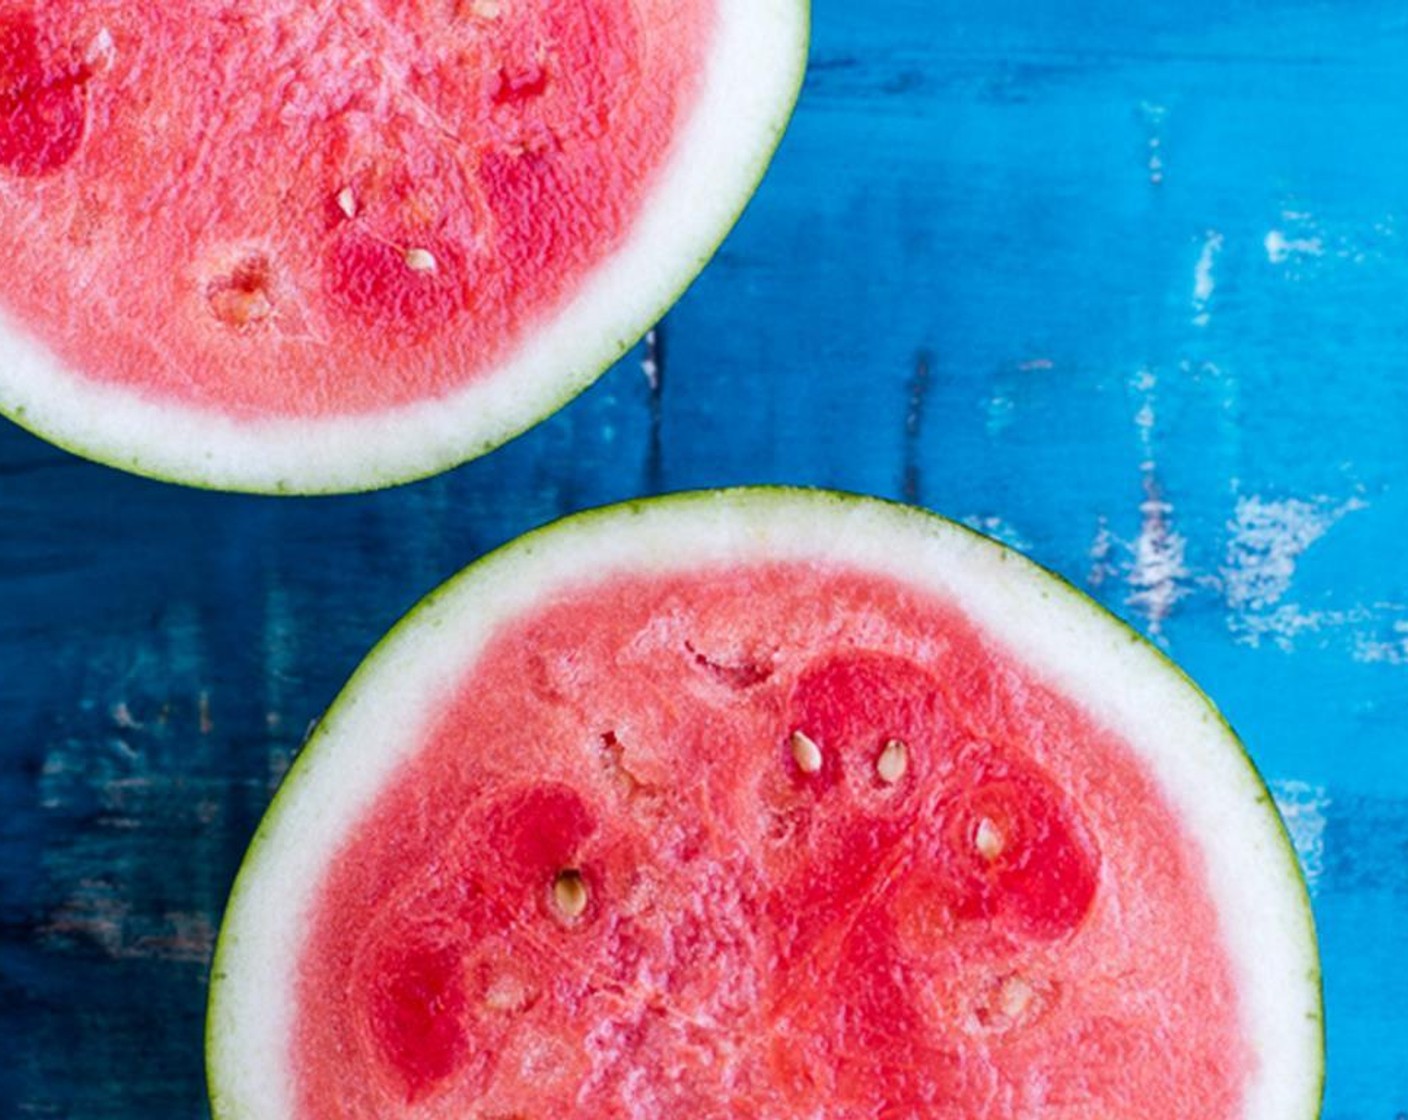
(614, 881)
(323, 207)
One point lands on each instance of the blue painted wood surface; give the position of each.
(1122, 284)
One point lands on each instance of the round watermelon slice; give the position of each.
(331, 245)
(767, 804)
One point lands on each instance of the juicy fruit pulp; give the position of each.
(328, 208)
(774, 840)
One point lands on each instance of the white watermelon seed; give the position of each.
(988, 840)
(506, 993)
(102, 50)
(893, 762)
(420, 260)
(569, 893)
(347, 202)
(805, 753)
(1014, 996)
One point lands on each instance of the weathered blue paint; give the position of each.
(1123, 284)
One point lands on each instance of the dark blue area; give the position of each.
(1125, 285)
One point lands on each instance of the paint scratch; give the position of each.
(1303, 807)
(1102, 549)
(1159, 576)
(1153, 116)
(1154, 564)
(1204, 283)
(1266, 538)
(999, 530)
(96, 915)
(1390, 649)
(652, 365)
(1281, 246)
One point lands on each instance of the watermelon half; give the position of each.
(767, 805)
(326, 245)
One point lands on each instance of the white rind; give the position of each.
(751, 82)
(1066, 639)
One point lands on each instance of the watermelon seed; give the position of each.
(988, 840)
(420, 260)
(102, 50)
(893, 762)
(805, 753)
(1014, 996)
(507, 993)
(347, 202)
(569, 893)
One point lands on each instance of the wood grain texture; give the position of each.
(1120, 284)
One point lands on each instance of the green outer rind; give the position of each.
(565, 389)
(502, 556)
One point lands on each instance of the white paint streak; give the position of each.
(1284, 624)
(1144, 383)
(1001, 409)
(1300, 242)
(1159, 576)
(999, 530)
(649, 362)
(1265, 540)
(1303, 808)
(1378, 649)
(1280, 248)
(1154, 118)
(1153, 565)
(1102, 567)
(1203, 282)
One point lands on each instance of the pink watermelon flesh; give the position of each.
(316, 208)
(1014, 924)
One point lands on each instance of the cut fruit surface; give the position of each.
(339, 244)
(767, 804)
